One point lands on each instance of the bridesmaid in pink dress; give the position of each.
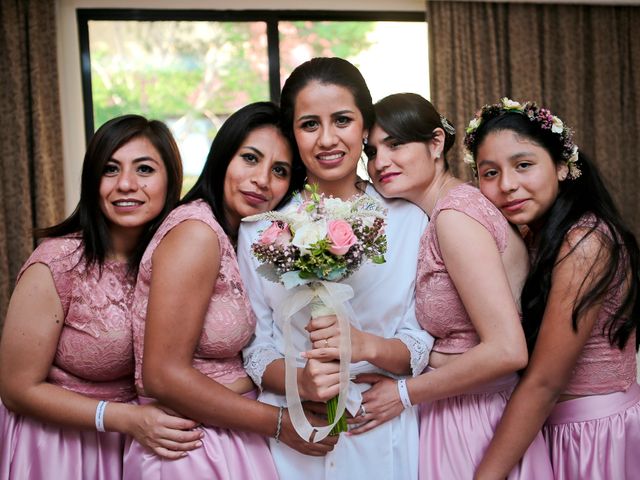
(66, 355)
(191, 302)
(471, 266)
(581, 308)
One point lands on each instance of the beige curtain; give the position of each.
(583, 62)
(31, 177)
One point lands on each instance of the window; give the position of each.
(192, 69)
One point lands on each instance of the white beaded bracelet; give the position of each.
(102, 404)
(404, 393)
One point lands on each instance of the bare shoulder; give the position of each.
(190, 238)
(36, 285)
(458, 227)
(585, 244)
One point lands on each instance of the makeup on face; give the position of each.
(133, 187)
(258, 175)
(518, 176)
(329, 131)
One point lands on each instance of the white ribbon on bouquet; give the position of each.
(335, 296)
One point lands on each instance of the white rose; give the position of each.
(308, 234)
(337, 208)
(297, 219)
(510, 104)
(368, 221)
(474, 124)
(557, 126)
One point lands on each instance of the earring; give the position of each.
(365, 140)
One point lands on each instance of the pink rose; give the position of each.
(341, 237)
(278, 233)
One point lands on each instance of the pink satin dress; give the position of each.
(228, 326)
(598, 436)
(456, 431)
(94, 358)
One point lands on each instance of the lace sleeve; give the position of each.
(257, 360)
(419, 345)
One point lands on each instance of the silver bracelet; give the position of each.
(102, 404)
(404, 393)
(279, 427)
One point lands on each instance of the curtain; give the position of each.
(31, 176)
(582, 62)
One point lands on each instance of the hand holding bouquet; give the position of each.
(308, 248)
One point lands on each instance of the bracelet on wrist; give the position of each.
(404, 393)
(102, 404)
(279, 426)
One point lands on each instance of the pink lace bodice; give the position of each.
(602, 368)
(95, 351)
(438, 306)
(229, 321)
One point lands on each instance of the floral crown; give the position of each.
(541, 116)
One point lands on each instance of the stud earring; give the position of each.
(365, 141)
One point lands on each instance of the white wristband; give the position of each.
(102, 404)
(404, 393)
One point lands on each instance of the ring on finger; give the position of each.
(363, 411)
(326, 342)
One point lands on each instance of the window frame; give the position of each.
(270, 17)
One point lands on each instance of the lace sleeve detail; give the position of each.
(419, 351)
(256, 362)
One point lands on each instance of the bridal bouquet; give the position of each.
(308, 248)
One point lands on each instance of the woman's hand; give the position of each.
(319, 380)
(290, 437)
(163, 432)
(324, 333)
(380, 403)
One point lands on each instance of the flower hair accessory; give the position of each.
(540, 115)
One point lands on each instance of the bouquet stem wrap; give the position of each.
(319, 309)
(332, 297)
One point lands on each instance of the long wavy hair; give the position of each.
(576, 198)
(210, 185)
(87, 219)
